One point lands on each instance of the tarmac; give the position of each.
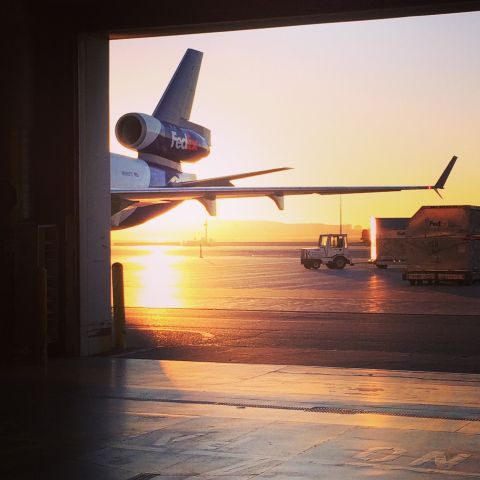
(389, 341)
(116, 418)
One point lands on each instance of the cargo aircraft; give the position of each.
(143, 188)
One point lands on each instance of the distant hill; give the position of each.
(262, 231)
(227, 231)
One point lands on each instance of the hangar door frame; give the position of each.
(95, 324)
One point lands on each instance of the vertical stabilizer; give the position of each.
(176, 103)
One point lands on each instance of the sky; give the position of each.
(381, 102)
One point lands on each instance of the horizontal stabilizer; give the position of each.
(226, 180)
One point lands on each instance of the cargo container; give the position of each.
(443, 245)
(388, 241)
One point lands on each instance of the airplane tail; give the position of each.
(176, 102)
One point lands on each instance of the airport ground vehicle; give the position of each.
(388, 243)
(332, 251)
(443, 245)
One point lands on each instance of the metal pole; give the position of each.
(340, 214)
(118, 306)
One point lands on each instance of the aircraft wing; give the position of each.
(208, 194)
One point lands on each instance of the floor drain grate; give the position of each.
(471, 415)
(393, 413)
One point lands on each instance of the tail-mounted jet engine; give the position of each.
(148, 135)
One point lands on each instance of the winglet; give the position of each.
(443, 177)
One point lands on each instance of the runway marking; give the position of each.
(261, 465)
(368, 455)
(239, 463)
(180, 438)
(415, 469)
(438, 458)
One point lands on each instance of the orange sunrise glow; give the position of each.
(376, 102)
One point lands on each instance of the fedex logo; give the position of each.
(183, 142)
(179, 142)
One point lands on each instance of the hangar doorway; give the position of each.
(94, 238)
(153, 281)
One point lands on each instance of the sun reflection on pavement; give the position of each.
(152, 277)
(168, 276)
